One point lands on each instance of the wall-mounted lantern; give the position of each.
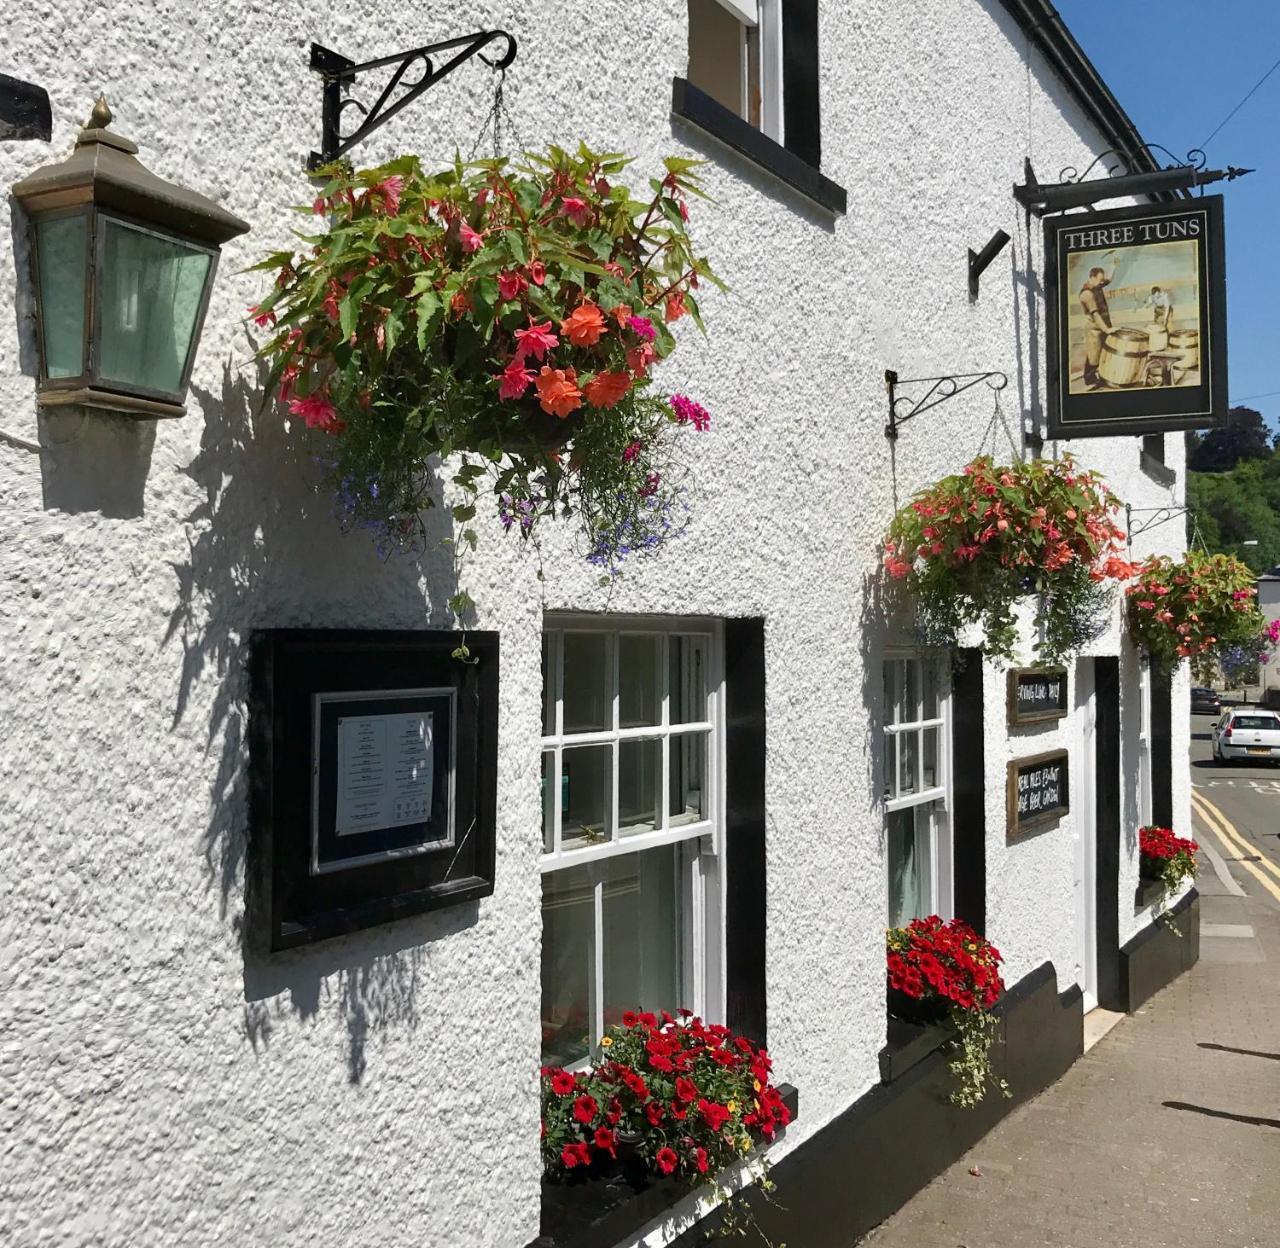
(123, 264)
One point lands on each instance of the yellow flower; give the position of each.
(744, 1144)
(606, 1041)
(732, 1107)
(756, 1084)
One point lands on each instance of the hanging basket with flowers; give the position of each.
(674, 1097)
(1193, 608)
(971, 546)
(509, 313)
(945, 972)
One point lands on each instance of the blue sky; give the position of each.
(1178, 68)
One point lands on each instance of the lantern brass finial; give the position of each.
(101, 116)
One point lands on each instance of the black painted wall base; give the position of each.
(866, 1164)
(1158, 954)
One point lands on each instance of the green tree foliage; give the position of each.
(1245, 436)
(1238, 504)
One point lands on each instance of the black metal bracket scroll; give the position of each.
(940, 390)
(979, 260)
(1077, 190)
(339, 74)
(1158, 516)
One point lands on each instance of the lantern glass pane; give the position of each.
(151, 292)
(63, 262)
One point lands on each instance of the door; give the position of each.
(1084, 824)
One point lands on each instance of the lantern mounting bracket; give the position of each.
(340, 72)
(902, 407)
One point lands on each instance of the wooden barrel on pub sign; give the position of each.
(1124, 357)
(1186, 343)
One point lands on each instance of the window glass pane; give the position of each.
(639, 703)
(909, 865)
(588, 683)
(642, 969)
(61, 243)
(586, 795)
(548, 685)
(568, 915)
(908, 763)
(688, 794)
(891, 691)
(716, 47)
(890, 764)
(929, 773)
(909, 693)
(688, 680)
(929, 673)
(548, 800)
(151, 291)
(639, 785)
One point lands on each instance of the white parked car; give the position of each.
(1247, 732)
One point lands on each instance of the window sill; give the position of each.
(908, 1044)
(1148, 893)
(586, 1213)
(698, 109)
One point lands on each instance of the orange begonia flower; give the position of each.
(605, 389)
(558, 391)
(584, 326)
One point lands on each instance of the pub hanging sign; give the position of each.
(1137, 318)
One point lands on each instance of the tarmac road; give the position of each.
(1236, 814)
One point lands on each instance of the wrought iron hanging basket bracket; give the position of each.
(339, 74)
(903, 407)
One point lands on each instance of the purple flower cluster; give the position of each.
(690, 413)
(642, 327)
(356, 505)
(659, 518)
(522, 511)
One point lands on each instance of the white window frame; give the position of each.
(701, 843)
(765, 16)
(1144, 743)
(938, 798)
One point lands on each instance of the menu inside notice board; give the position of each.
(1037, 694)
(1038, 792)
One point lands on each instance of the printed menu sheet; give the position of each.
(384, 771)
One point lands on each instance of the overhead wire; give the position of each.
(1239, 106)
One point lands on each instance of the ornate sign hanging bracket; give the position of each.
(1072, 190)
(1157, 517)
(339, 74)
(902, 407)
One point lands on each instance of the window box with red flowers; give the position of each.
(510, 312)
(972, 546)
(943, 975)
(1193, 608)
(1165, 863)
(669, 1105)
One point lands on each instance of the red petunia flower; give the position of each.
(585, 1109)
(667, 1160)
(563, 1083)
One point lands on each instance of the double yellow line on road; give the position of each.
(1234, 842)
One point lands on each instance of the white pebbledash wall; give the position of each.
(381, 1089)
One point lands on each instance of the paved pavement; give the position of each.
(1166, 1134)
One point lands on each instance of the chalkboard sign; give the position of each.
(1036, 694)
(1038, 793)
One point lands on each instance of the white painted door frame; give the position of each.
(1085, 836)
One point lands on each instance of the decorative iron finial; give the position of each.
(101, 116)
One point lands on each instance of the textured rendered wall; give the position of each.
(381, 1089)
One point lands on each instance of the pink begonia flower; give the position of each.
(318, 412)
(509, 285)
(633, 449)
(537, 272)
(575, 209)
(262, 319)
(639, 358)
(389, 189)
(536, 341)
(516, 379)
(471, 241)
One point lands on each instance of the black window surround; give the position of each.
(798, 162)
(699, 109)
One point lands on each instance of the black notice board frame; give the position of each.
(1017, 718)
(289, 904)
(1137, 409)
(1021, 829)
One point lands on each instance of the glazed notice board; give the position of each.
(1037, 794)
